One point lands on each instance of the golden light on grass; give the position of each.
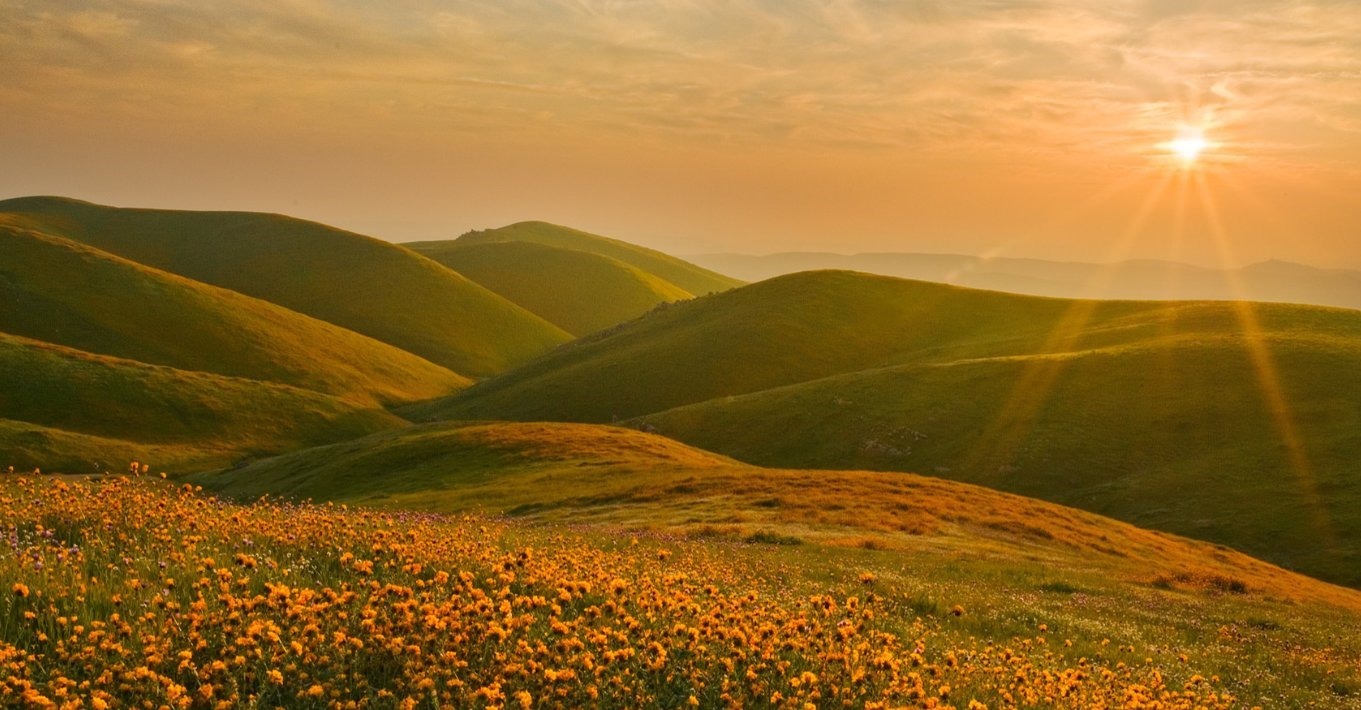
(1016, 418)
(1269, 379)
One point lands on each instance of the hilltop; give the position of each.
(1145, 279)
(372, 287)
(681, 273)
(1234, 423)
(578, 291)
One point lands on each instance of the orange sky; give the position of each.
(1024, 128)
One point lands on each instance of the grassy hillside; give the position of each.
(88, 398)
(27, 446)
(1172, 436)
(683, 274)
(577, 291)
(783, 331)
(1168, 415)
(360, 607)
(579, 473)
(60, 291)
(366, 285)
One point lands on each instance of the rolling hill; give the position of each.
(363, 284)
(1273, 281)
(65, 409)
(575, 473)
(1234, 423)
(56, 290)
(778, 332)
(683, 274)
(578, 291)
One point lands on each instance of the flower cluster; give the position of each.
(133, 593)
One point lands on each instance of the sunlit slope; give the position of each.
(1172, 416)
(60, 291)
(591, 473)
(580, 292)
(692, 278)
(1175, 436)
(87, 395)
(782, 331)
(366, 285)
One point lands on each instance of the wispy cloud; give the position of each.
(1008, 85)
(868, 72)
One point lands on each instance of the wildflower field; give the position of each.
(122, 592)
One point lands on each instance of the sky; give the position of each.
(997, 127)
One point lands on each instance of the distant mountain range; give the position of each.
(1273, 281)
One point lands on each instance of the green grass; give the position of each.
(27, 446)
(1151, 412)
(578, 291)
(778, 332)
(61, 405)
(683, 274)
(64, 292)
(1172, 437)
(575, 473)
(366, 285)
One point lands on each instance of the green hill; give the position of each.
(577, 291)
(57, 290)
(63, 406)
(576, 473)
(27, 446)
(783, 331)
(683, 274)
(1170, 415)
(366, 285)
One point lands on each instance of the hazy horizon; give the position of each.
(1036, 129)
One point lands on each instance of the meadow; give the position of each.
(430, 510)
(144, 593)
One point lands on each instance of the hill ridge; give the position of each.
(367, 285)
(112, 305)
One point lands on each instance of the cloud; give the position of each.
(989, 77)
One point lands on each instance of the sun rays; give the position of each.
(1258, 348)
(1187, 183)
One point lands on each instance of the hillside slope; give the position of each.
(1235, 423)
(783, 331)
(1174, 436)
(577, 291)
(366, 285)
(687, 276)
(60, 291)
(648, 619)
(62, 405)
(589, 473)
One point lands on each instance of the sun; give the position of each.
(1188, 146)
